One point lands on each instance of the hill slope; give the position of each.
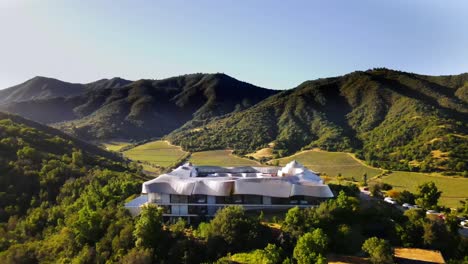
(153, 108)
(60, 196)
(27, 151)
(145, 108)
(392, 119)
(39, 88)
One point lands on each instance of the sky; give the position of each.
(275, 44)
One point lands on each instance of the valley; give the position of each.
(331, 166)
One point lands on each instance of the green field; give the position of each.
(453, 189)
(332, 163)
(220, 158)
(115, 145)
(157, 152)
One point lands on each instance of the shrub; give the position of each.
(379, 250)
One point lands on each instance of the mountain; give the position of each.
(392, 119)
(145, 108)
(107, 83)
(39, 88)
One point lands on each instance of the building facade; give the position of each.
(197, 192)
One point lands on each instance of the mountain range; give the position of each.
(392, 119)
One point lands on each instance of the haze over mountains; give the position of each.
(392, 119)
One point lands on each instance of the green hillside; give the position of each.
(331, 164)
(142, 109)
(222, 158)
(61, 198)
(392, 119)
(158, 153)
(454, 189)
(35, 161)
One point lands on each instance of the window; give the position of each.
(179, 198)
(253, 199)
(277, 200)
(166, 209)
(197, 198)
(154, 197)
(199, 210)
(237, 199)
(223, 199)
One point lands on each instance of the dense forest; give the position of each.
(58, 196)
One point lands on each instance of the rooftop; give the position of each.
(290, 180)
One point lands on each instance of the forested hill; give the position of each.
(40, 87)
(154, 108)
(392, 119)
(36, 160)
(145, 108)
(58, 195)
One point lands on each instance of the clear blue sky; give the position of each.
(275, 44)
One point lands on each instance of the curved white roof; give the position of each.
(291, 180)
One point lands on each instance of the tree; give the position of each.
(428, 195)
(295, 222)
(311, 247)
(345, 202)
(149, 231)
(346, 239)
(379, 250)
(178, 228)
(237, 230)
(405, 197)
(138, 256)
(273, 254)
(464, 206)
(375, 190)
(77, 158)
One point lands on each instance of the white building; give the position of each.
(195, 192)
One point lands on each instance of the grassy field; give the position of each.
(453, 189)
(157, 152)
(332, 163)
(115, 145)
(220, 158)
(264, 152)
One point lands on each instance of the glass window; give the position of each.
(237, 199)
(277, 200)
(197, 198)
(223, 199)
(179, 198)
(252, 199)
(199, 210)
